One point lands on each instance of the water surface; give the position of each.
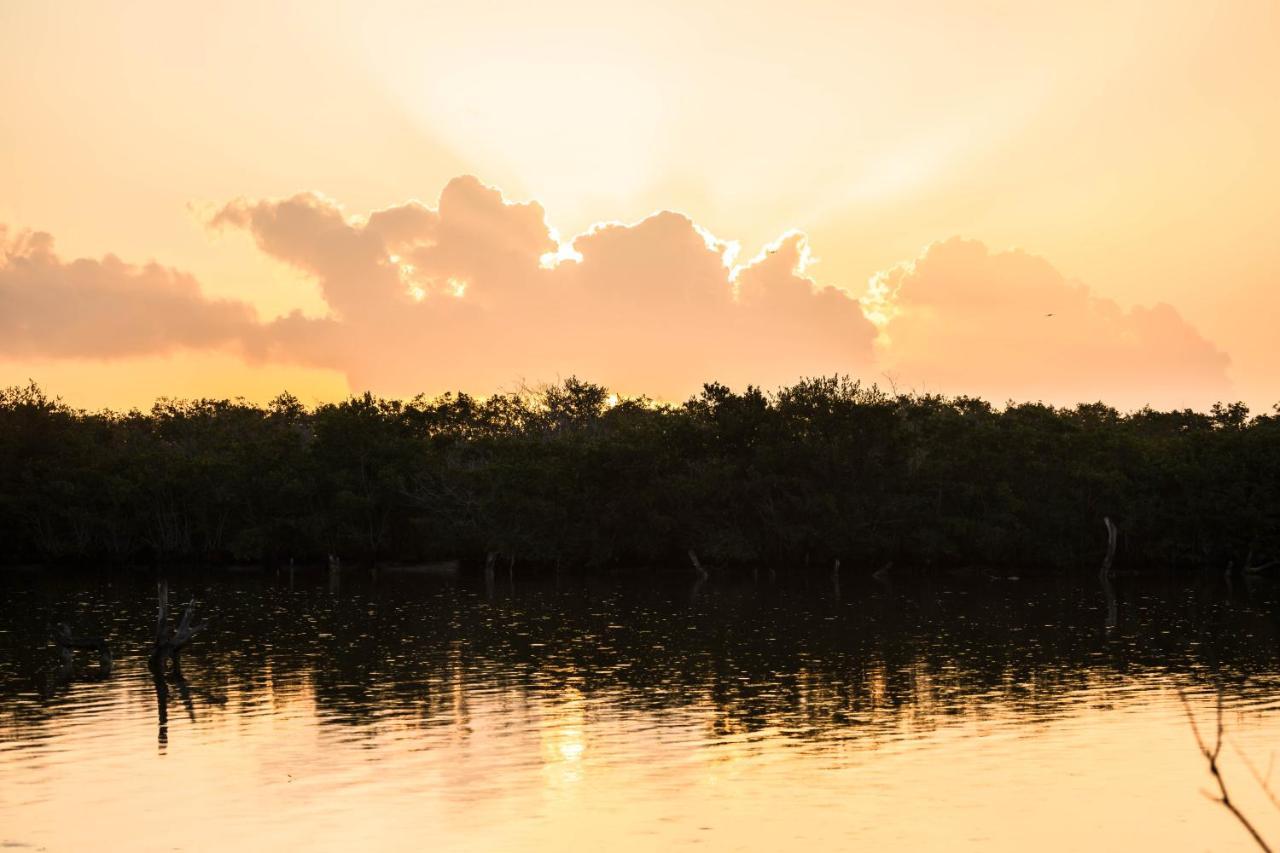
(411, 711)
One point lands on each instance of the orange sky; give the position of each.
(958, 171)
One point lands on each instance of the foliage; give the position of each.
(567, 477)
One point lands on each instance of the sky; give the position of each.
(1059, 202)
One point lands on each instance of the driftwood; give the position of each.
(67, 642)
(169, 643)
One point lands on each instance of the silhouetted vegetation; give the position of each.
(566, 477)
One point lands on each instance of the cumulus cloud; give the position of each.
(480, 293)
(104, 308)
(964, 319)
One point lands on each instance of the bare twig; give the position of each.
(1263, 780)
(1212, 756)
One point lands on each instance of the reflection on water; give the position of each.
(415, 710)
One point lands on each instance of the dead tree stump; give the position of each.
(698, 568)
(1112, 532)
(170, 642)
(68, 642)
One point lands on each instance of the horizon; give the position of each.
(531, 393)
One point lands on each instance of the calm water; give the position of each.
(418, 712)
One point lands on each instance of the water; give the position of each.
(419, 712)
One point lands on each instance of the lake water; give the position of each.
(419, 712)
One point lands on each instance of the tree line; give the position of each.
(571, 477)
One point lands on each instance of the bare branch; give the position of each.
(1212, 756)
(1264, 781)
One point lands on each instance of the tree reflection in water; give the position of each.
(827, 657)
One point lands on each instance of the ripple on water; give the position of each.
(764, 717)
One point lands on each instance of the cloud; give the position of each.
(105, 308)
(479, 293)
(964, 319)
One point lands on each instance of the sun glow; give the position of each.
(879, 304)
(564, 252)
(564, 742)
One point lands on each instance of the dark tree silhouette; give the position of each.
(564, 478)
